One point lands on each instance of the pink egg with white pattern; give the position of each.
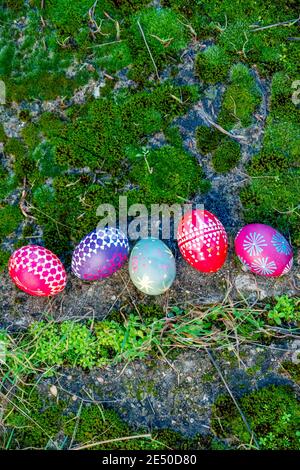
(37, 271)
(263, 250)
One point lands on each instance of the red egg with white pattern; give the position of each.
(202, 240)
(263, 250)
(37, 271)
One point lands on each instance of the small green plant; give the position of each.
(97, 344)
(286, 310)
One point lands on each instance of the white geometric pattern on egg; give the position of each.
(90, 245)
(108, 247)
(40, 262)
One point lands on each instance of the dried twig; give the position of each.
(188, 26)
(24, 206)
(108, 441)
(221, 129)
(164, 42)
(220, 28)
(117, 25)
(283, 23)
(148, 49)
(94, 27)
(105, 44)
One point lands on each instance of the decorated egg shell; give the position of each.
(263, 250)
(152, 266)
(101, 253)
(202, 240)
(37, 271)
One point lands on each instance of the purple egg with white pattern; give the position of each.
(100, 254)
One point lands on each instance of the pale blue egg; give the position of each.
(152, 266)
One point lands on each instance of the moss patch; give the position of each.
(226, 156)
(273, 414)
(212, 65)
(292, 370)
(35, 421)
(240, 100)
(207, 139)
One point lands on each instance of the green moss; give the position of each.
(93, 422)
(273, 200)
(31, 135)
(240, 100)
(207, 377)
(212, 65)
(273, 414)
(42, 85)
(44, 158)
(292, 370)
(3, 137)
(173, 136)
(36, 424)
(23, 164)
(14, 4)
(39, 422)
(207, 139)
(252, 371)
(128, 6)
(165, 35)
(7, 183)
(280, 149)
(167, 174)
(113, 57)
(7, 54)
(70, 20)
(10, 217)
(226, 156)
(282, 106)
(4, 257)
(174, 440)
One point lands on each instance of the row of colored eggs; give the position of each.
(202, 241)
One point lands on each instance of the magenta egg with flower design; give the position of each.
(263, 250)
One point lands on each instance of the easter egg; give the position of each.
(263, 250)
(202, 240)
(101, 253)
(37, 271)
(152, 266)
